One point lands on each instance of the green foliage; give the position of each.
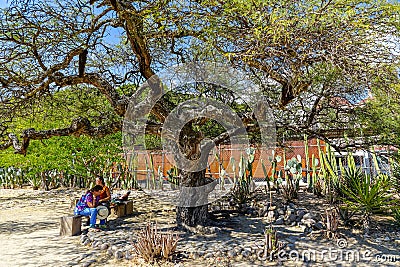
(365, 195)
(380, 116)
(396, 215)
(291, 187)
(241, 192)
(75, 159)
(396, 176)
(329, 172)
(172, 177)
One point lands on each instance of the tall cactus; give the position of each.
(308, 176)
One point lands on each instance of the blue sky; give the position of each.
(3, 3)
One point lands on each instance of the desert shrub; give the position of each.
(241, 192)
(396, 215)
(152, 245)
(396, 177)
(366, 195)
(293, 170)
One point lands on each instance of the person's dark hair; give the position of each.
(101, 179)
(96, 188)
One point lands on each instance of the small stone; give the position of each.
(208, 255)
(83, 256)
(83, 238)
(300, 214)
(110, 252)
(128, 255)
(231, 253)
(387, 238)
(213, 230)
(118, 254)
(307, 230)
(308, 222)
(238, 250)
(88, 263)
(307, 216)
(246, 253)
(279, 221)
(319, 226)
(194, 255)
(87, 242)
(96, 244)
(91, 236)
(104, 246)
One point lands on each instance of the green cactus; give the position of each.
(233, 170)
(172, 177)
(241, 192)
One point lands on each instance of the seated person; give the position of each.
(105, 195)
(87, 204)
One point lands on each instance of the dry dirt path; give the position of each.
(29, 230)
(29, 235)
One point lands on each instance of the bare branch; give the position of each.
(79, 126)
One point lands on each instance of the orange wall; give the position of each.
(293, 148)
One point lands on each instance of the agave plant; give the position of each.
(366, 195)
(396, 215)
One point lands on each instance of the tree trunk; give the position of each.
(194, 187)
(192, 216)
(192, 206)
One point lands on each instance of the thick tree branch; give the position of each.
(117, 102)
(79, 126)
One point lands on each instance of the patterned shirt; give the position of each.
(82, 203)
(104, 192)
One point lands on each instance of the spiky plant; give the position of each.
(396, 215)
(152, 245)
(293, 176)
(366, 195)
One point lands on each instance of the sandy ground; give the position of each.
(30, 220)
(29, 230)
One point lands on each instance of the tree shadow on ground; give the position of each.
(12, 227)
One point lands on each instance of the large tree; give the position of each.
(302, 53)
